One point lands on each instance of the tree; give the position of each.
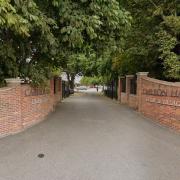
(91, 80)
(86, 30)
(153, 43)
(10, 21)
(26, 39)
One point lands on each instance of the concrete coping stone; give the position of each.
(166, 83)
(130, 76)
(122, 77)
(142, 73)
(13, 82)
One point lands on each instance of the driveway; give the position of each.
(90, 137)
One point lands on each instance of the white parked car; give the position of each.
(82, 88)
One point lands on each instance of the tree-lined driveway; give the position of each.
(90, 137)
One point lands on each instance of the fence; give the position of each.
(65, 89)
(111, 90)
(123, 83)
(159, 100)
(133, 85)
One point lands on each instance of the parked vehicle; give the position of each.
(82, 88)
(71, 91)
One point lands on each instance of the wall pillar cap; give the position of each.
(13, 81)
(130, 76)
(121, 77)
(142, 73)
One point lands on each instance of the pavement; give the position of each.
(91, 137)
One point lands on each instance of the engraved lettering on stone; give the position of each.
(168, 102)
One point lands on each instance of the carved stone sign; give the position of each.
(162, 92)
(36, 92)
(168, 102)
(174, 93)
(39, 101)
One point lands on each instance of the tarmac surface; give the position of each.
(90, 137)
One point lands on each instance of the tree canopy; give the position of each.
(154, 41)
(99, 38)
(36, 36)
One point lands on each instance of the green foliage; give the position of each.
(86, 31)
(56, 72)
(37, 77)
(91, 80)
(154, 41)
(59, 33)
(26, 34)
(9, 18)
(99, 38)
(167, 43)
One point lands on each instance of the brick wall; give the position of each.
(127, 97)
(123, 98)
(22, 106)
(132, 102)
(159, 100)
(10, 110)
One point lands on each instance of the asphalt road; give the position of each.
(90, 137)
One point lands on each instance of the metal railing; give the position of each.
(65, 89)
(123, 81)
(133, 85)
(111, 90)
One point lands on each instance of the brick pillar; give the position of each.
(140, 75)
(52, 86)
(120, 87)
(60, 84)
(128, 86)
(12, 96)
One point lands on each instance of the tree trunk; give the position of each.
(68, 78)
(72, 81)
